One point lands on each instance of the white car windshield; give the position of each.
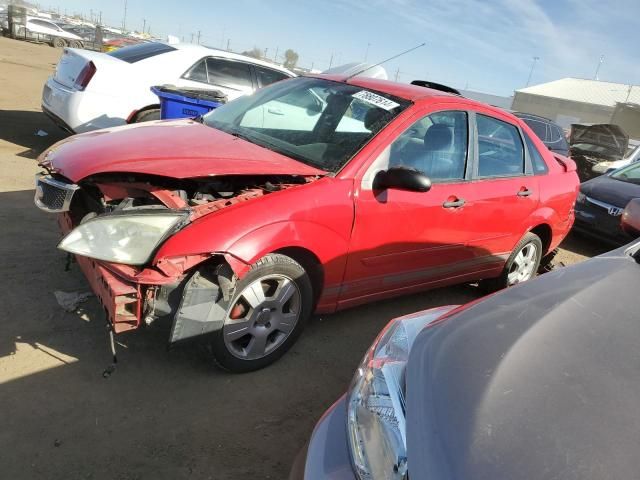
(319, 122)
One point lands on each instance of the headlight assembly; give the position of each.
(129, 238)
(376, 400)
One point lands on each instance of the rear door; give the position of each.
(506, 191)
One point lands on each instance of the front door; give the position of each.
(403, 240)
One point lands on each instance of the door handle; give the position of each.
(524, 192)
(275, 111)
(457, 203)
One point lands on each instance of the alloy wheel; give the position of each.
(262, 316)
(523, 265)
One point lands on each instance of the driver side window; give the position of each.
(435, 145)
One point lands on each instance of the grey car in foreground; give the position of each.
(539, 381)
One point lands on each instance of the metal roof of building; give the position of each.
(586, 91)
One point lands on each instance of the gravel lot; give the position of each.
(162, 414)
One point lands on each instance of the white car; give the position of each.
(633, 155)
(91, 90)
(56, 35)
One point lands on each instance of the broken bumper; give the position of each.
(121, 299)
(129, 295)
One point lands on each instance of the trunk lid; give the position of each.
(74, 60)
(176, 149)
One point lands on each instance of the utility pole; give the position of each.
(397, 73)
(265, 52)
(191, 37)
(598, 68)
(533, 64)
(366, 54)
(228, 42)
(144, 24)
(275, 57)
(100, 18)
(124, 17)
(198, 37)
(330, 62)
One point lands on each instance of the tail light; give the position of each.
(85, 76)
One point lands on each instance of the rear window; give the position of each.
(228, 73)
(266, 76)
(500, 149)
(539, 165)
(141, 51)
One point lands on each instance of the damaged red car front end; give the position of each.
(133, 295)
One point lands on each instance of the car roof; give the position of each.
(533, 116)
(413, 93)
(203, 50)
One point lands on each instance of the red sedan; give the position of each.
(312, 195)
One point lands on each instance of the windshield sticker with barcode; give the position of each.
(376, 100)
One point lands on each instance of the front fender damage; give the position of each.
(204, 302)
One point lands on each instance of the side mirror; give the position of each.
(630, 221)
(402, 178)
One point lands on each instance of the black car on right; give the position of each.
(602, 201)
(549, 132)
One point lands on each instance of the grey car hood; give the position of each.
(541, 381)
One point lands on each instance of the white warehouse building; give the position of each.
(575, 100)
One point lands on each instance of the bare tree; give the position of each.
(255, 52)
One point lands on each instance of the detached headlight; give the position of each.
(121, 238)
(376, 399)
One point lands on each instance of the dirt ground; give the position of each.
(162, 415)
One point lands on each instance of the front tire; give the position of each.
(268, 311)
(522, 264)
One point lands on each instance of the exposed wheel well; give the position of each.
(544, 232)
(134, 116)
(310, 263)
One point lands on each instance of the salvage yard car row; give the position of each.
(323, 192)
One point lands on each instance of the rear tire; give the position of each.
(268, 311)
(148, 115)
(75, 44)
(522, 264)
(59, 42)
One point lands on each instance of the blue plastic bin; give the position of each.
(186, 102)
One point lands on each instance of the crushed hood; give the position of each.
(177, 149)
(608, 136)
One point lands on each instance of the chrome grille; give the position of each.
(53, 195)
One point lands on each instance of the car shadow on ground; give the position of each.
(584, 245)
(27, 129)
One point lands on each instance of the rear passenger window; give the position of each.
(228, 73)
(266, 76)
(539, 165)
(500, 149)
(539, 128)
(141, 51)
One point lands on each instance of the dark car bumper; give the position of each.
(595, 220)
(326, 456)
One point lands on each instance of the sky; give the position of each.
(487, 46)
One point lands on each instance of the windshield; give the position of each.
(315, 121)
(629, 174)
